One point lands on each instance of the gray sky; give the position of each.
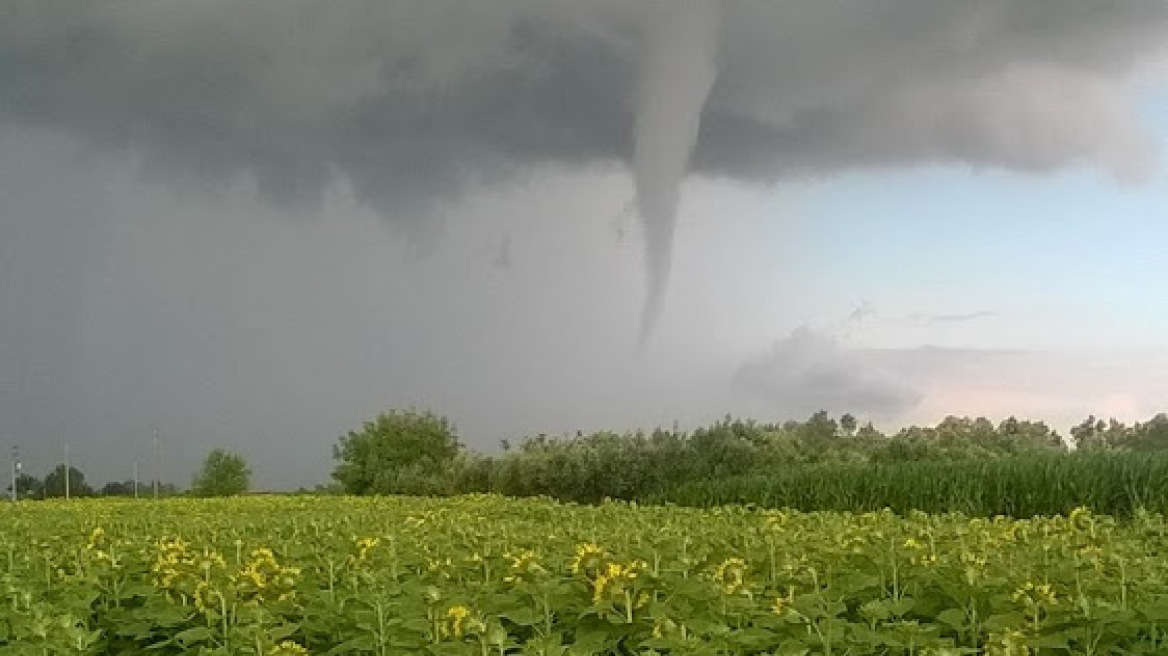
(257, 224)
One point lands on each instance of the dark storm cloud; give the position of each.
(264, 89)
(224, 322)
(409, 102)
(413, 100)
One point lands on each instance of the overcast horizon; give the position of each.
(257, 224)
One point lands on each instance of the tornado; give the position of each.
(676, 75)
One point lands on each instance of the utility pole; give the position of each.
(15, 471)
(66, 471)
(135, 479)
(157, 464)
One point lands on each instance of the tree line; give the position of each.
(420, 452)
(222, 473)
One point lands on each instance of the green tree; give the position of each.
(223, 474)
(120, 489)
(54, 485)
(1151, 435)
(1019, 436)
(27, 487)
(869, 432)
(400, 451)
(819, 430)
(848, 424)
(1088, 434)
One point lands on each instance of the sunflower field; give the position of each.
(486, 575)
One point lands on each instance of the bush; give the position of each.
(223, 474)
(399, 452)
